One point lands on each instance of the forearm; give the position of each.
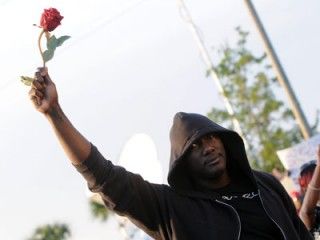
(311, 198)
(307, 219)
(76, 146)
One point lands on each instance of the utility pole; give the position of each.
(185, 15)
(280, 73)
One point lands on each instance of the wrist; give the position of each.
(313, 187)
(54, 112)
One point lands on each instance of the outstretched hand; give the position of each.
(43, 93)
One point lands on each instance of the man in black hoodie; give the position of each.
(213, 192)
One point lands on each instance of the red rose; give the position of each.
(50, 19)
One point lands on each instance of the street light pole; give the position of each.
(280, 73)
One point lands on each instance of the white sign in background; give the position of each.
(294, 157)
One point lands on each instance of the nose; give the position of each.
(208, 147)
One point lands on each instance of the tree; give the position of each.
(128, 230)
(51, 232)
(98, 210)
(267, 123)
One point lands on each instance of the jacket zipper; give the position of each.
(271, 217)
(236, 215)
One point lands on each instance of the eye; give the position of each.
(195, 145)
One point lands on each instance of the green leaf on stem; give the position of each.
(52, 43)
(26, 80)
(48, 55)
(61, 40)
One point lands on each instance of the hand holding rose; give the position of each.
(43, 93)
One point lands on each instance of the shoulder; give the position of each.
(267, 179)
(167, 193)
(162, 189)
(264, 176)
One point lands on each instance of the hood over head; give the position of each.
(188, 128)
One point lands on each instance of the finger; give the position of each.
(37, 85)
(39, 77)
(48, 78)
(36, 93)
(43, 71)
(39, 94)
(36, 102)
(45, 74)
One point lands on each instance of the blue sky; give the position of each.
(129, 66)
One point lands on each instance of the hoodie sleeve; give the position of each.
(125, 193)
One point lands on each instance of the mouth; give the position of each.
(212, 160)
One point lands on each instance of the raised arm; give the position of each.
(44, 96)
(307, 212)
(124, 192)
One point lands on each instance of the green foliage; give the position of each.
(48, 55)
(61, 40)
(52, 44)
(267, 123)
(98, 210)
(26, 80)
(51, 232)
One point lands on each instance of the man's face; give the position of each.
(207, 158)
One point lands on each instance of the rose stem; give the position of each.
(39, 46)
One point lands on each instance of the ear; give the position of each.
(301, 181)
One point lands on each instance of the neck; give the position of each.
(212, 184)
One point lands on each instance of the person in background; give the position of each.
(277, 173)
(310, 188)
(305, 174)
(287, 182)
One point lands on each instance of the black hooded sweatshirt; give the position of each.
(179, 211)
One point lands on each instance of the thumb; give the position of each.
(44, 73)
